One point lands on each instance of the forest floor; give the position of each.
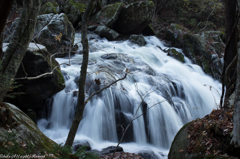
(211, 135)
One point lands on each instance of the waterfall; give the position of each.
(166, 93)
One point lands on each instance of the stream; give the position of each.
(163, 93)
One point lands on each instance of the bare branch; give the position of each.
(87, 100)
(42, 75)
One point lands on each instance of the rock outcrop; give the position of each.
(37, 61)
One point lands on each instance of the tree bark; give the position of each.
(18, 45)
(5, 8)
(236, 113)
(231, 47)
(81, 93)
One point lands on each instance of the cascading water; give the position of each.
(170, 92)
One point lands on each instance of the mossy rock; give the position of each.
(25, 133)
(107, 15)
(74, 11)
(137, 39)
(175, 54)
(49, 7)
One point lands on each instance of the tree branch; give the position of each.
(104, 88)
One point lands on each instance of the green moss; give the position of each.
(177, 55)
(111, 9)
(80, 6)
(55, 4)
(48, 8)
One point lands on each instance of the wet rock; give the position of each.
(137, 39)
(134, 17)
(122, 122)
(79, 144)
(175, 54)
(109, 56)
(106, 32)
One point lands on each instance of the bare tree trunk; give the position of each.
(236, 113)
(18, 45)
(81, 93)
(231, 48)
(5, 8)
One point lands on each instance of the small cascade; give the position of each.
(160, 93)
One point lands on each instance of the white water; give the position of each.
(177, 88)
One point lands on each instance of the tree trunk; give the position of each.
(18, 45)
(5, 8)
(231, 47)
(236, 113)
(81, 93)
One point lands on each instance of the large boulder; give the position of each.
(36, 62)
(49, 7)
(135, 17)
(107, 15)
(20, 135)
(106, 32)
(74, 11)
(55, 32)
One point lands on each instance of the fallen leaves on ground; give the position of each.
(122, 155)
(211, 135)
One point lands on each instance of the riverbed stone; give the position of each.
(106, 32)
